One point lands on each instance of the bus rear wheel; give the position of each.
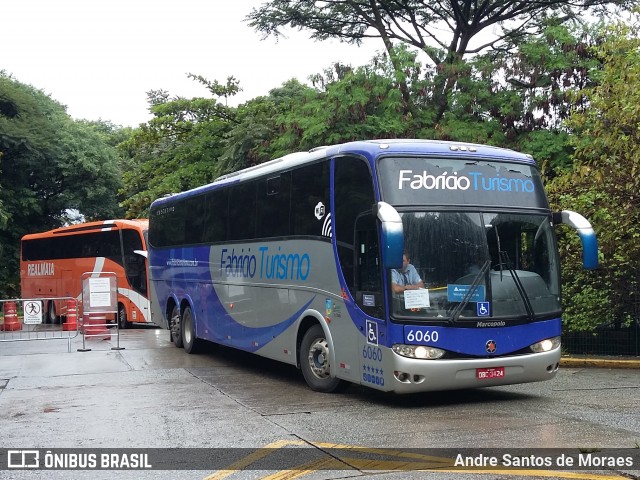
(191, 343)
(174, 327)
(314, 361)
(122, 317)
(52, 315)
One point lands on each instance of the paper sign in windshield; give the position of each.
(416, 298)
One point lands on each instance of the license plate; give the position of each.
(487, 373)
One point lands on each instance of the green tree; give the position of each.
(49, 165)
(529, 92)
(510, 100)
(445, 31)
(516, 101)
(179, 147)
(259, 134)
(604, 182)
(348, 104)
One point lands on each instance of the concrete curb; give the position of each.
(599, 362)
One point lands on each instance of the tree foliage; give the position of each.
(604, 184)
(178, 148)
(511, 101)
(49, 165)
(445, 31)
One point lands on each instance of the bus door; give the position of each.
(368, 281)
(135, 287)
(373, 366)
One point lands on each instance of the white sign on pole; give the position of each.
(32, 312)
(99, 292)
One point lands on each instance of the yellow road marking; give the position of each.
(429, 463)
(297, 472)
(446, 462)
(540, 473)
(251, 458)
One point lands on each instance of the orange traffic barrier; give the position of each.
(94, 325)
(11, 322)
(71, 322)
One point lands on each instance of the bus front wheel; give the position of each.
(174, 327)
(191, 343)
(314, 361)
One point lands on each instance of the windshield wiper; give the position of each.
(504, 258)
(472, 289)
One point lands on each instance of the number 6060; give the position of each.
(422, 336)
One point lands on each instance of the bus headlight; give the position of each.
(418, 351)
(545, 345)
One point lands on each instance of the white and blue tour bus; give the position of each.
(294, 259)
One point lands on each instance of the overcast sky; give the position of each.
(100, 57)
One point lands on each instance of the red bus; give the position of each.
(52, 264)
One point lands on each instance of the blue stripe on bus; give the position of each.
(245, 337)
(473, 341)
(217, 323)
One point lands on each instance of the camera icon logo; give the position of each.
(23, 459)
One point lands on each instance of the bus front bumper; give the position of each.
(411, 375)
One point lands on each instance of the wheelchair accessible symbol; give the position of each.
(372, 332)
(483, 309)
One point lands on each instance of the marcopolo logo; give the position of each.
(475, 181)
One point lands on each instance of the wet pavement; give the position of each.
(152, 395)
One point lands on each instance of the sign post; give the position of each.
(99, 299)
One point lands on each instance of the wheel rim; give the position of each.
(121, 317)
(319, 358)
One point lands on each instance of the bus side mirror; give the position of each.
(586, 233)
(392, 244)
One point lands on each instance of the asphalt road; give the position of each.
(258, 419)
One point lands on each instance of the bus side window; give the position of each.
(274, 205)
(309, 197)
(242, 212)
(215, 213)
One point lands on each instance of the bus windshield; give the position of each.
(472, 265)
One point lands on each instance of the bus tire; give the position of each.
(174, 327)
(52, 315)
(122, 317)
(314, 361)
(190, 342)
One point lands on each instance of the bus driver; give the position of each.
(406, 278)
